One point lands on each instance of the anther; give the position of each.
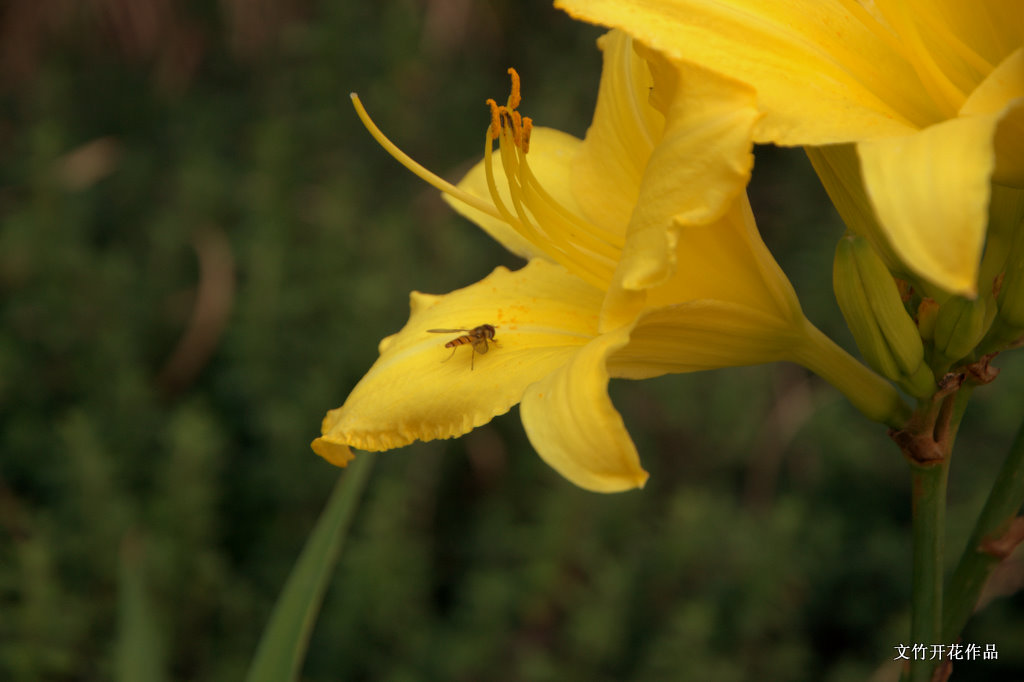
(514, 97)
(507, 117)
(495, 130)
(517, 127)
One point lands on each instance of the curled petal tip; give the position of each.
(337, 454)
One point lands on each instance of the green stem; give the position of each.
(929, 518)
(976, 563)
(929, 480)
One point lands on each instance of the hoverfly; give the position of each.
(477, 337)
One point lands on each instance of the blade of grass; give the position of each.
(139, 647)
(282, 647)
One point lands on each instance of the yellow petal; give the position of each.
(1003, 84)
(709, 334)
(992, 28)
(703, 334)
(606, 173)
(727, 261)
(337, 454)
(551, 153)
(838, 168)
(696, 174)
(573, 425)
(419, 390)
(1003, 92)
(930, 191)
(826, 72)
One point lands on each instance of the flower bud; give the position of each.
(874, 311)
(1011, 291)
(927, 312)
(959, 326)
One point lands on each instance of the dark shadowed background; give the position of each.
(200, 248)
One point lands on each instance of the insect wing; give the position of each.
(447, 331)
(479, 343)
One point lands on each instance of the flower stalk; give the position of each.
(929, 519)
(927, 442)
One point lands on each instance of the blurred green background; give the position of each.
(200, 248)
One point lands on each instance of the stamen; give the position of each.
(495, 129)
(514, 98)
(417, 169)
(524, 225)
(517, 127)
(535, 214)
(547, 224)
(527, 129)
(599, 236)
(492, 187)
(585, 249)
(508, 162)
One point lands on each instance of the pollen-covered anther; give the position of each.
(516, 121)
(514, 98)
(495, 128)
(506, 117)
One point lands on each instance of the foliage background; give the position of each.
(155, 413)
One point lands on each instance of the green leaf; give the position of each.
(286, 636)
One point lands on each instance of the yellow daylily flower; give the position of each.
(932, 93)
(644, 259)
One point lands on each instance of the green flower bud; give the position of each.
(838, 168)
(1004, 252)
(1011, 299)
(959, 326)
(1011, 293)
(927, 312)
(874, 311)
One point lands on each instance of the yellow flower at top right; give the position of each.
(931, 93)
